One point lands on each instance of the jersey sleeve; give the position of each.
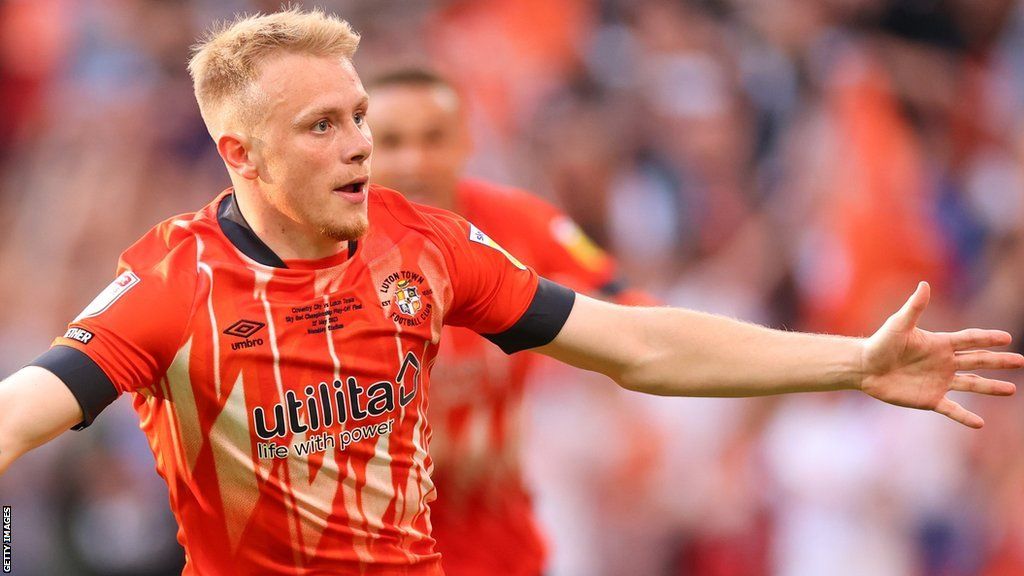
(126, 338)
(493, 293)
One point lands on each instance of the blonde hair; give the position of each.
(225, 64)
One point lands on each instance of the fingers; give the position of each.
(957, 412)
(988, 360)
(980, 385)
(907, 316)
(978, 338)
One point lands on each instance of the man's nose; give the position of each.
(358, 148)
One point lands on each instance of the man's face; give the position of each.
(313, 145)
(421, 142)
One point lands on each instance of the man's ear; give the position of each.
(237, 152)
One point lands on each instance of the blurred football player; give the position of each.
(482, 519)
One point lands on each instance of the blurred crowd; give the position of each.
(800, 164)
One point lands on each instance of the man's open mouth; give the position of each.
(354, 187)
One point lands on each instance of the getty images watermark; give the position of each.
(7, 540)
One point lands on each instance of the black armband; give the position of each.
(541, 322)
(88, 383)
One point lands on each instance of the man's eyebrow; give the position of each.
(327, 111)
(315, 112)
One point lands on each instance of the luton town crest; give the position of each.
(406, 295)
(408, 299)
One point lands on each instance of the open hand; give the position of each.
(907, 366)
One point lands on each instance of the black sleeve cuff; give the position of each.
(541, 322)
(86, 380)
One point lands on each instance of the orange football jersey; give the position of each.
(285, 401)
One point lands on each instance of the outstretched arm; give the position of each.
(35, 407)
(677, 352)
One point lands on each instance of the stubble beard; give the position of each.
(342, 232)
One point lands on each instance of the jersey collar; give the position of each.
(241, 235)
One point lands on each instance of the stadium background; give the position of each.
(799, 163)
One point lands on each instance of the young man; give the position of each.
(482, 520)
(277, 342)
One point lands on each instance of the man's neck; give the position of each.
(285, 237)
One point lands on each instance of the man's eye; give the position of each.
(360, 118)
(321, 126)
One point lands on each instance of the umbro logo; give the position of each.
(245, 329)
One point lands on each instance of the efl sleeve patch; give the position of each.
(121, 285)
(477, 235)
